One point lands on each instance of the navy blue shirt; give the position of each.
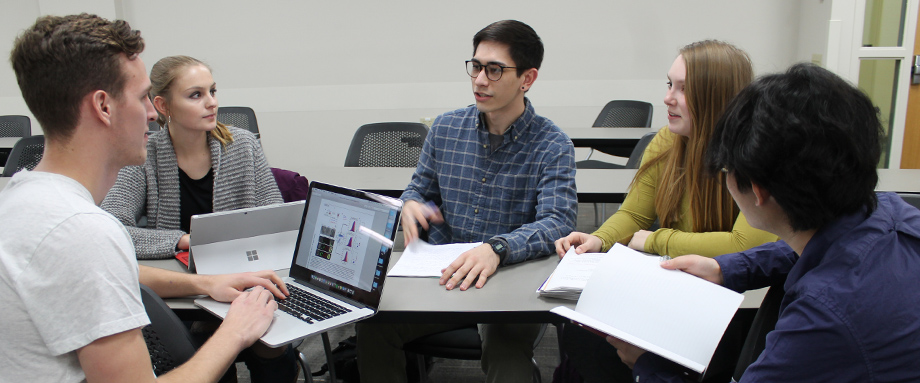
(851, 312)
(522, 192)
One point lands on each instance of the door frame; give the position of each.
(845, 50)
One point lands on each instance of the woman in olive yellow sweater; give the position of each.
(696, 213)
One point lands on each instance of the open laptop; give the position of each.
(252, 239)
(341, 257)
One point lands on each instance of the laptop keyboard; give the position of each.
(307, 306)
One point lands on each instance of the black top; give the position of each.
(195, 197)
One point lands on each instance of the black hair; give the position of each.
(524, 46)
(809, 138)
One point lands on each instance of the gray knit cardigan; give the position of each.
(242, 179)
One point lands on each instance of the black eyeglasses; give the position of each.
(493, 71)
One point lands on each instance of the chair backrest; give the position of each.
(635, 158)
(239, 116)
(15, 126)
(764, 322)
(461, 343)
(168, 340)
(625, 114)
(25, 155)
(912, 199)
(387, 144)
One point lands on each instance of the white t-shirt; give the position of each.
(68, 276)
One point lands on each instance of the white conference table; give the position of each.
(8, 142)
(898, 180)
(603, 185)
(593, 185)
(509, 296)
(622, 140)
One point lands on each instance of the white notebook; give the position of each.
(670, 313)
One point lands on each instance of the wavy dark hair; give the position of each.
(808, 137)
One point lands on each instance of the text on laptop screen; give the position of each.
(341, 242)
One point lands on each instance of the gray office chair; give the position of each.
(463, 343)
(170, 343)
(911, 198)
(635, 158)
(622, 114)
(25, 155)
(387, 144)
(239, 116)
(764, 322)
(15, 126)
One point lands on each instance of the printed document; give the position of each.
(670, 313)
(421, 259)
(571, 275)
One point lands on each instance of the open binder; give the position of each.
(670, 313)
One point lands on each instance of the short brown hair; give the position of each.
(60, 59)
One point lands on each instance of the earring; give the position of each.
(522, 88)
(169, 119)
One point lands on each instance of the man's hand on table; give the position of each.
(479, 262)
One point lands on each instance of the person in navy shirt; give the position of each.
(800, 150)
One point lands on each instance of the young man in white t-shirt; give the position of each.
(68, 274)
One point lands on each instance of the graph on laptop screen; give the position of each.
(339, 241)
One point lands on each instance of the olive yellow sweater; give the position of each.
(638, 213)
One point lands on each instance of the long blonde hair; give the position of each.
(716, 72)
(162, 75)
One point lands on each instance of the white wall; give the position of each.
(813, 26)
(315, 71)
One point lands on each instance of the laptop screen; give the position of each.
(345, 242)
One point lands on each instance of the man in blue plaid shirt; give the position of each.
(497, 173)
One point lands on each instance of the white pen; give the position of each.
(376, 236)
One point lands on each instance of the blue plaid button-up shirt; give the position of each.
(524, 192)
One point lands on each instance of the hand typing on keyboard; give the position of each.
(308, 307)
(250, 315)
(226, 287)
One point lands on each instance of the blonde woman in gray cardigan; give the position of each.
(194, 165)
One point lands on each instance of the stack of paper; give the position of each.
(670, 313)
(571, 275)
